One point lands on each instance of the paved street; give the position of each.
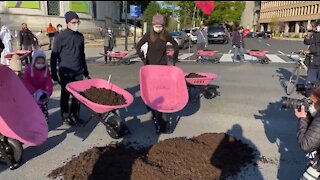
(248, 108)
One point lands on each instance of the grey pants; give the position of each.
(238, 51)
(313, 74)
(51, 39)
(29, 48)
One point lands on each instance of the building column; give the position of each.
(286, 27)
(312, 9)
(268, 27)
(309, 24)
(297, 28)
(315, 9)
(261, 27)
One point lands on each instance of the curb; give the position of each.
(289, 39)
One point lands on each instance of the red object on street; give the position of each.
(205, 6)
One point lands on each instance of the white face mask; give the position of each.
(40, 66)
(158, 30)
(109, 31)
(313, 111)
(74, 27)
(318, 28)
(59, 28)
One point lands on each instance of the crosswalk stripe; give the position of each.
(275, 58)
(185, 55)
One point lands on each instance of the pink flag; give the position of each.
(205, 6)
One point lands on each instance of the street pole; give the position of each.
(134, 36)
(126, 28)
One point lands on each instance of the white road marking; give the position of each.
(275, 58)
(281, 52)
(226, 58)
(185, 55)
(268, 44)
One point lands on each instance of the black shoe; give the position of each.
(76, 119)
(68, 121)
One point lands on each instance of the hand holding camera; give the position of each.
(302, 114)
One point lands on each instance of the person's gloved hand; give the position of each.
(41, 96)
(234, 46)
(20, 47)
(86, 73)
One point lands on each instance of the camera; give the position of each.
(296, 103)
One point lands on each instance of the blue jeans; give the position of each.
(313, 74)
(238, 51)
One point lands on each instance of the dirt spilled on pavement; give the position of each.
(103, 96)
(208, 156)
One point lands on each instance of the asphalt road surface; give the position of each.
(249, 108)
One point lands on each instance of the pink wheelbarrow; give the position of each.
(260, 55)
(202, 83)
(21, 120)
(207, 56)
(118, 55)
(114, 124)
(164, 91)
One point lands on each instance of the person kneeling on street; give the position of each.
(308, 132)
(37, 79)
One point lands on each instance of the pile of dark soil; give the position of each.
(103, 96)
(194, 75)
(208, 156)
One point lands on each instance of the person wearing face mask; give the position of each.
(238, 44)
(308, 131)
(51, 32)
(202, 40)
(109, 41)
(157, 44)
(59, 29)
(7, 38)
(68, 52)
(37, 79)
(313, 54)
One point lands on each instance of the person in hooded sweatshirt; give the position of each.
(157, 44)
(7, 39)
(68, 52)
(37, 79)
(51, 32)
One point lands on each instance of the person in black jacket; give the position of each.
(68, 51)
(109, 42)
(313, 58)
(26, 38)
(157, 44)
(308, 129)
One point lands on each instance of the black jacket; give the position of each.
(157, 51)
(308, 133)
(68, 51)
(26, 37)
(314, 47)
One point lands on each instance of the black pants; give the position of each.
(106, 49)
(50, 42)
(66, 78)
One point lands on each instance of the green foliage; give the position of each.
(152, 8)
(296, 35)
(226, 11)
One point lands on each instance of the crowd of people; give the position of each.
(68, 54)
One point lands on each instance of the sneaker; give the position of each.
(76, 119)
(68, 121)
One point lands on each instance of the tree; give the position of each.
(226, 12)
(150, 11)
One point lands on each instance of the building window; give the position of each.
(53, 8)
(94, 8)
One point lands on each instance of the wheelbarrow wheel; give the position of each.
(210, 93)
(14, 150)
(116, 127)
(126, 61)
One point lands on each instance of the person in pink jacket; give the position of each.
(37, 79)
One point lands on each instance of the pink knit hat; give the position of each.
(158, 19)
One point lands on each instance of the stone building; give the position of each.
(38, 14)
(291, 16)
(250, 15)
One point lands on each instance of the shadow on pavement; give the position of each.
(280, 129)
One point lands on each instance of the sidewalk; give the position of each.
(288, 39)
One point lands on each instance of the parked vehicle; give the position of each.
(264, 34)
(218, 33)
(192, 34)
(182, 39)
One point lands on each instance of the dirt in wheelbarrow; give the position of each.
(194, 75)
(103, 96)
(208, 156)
